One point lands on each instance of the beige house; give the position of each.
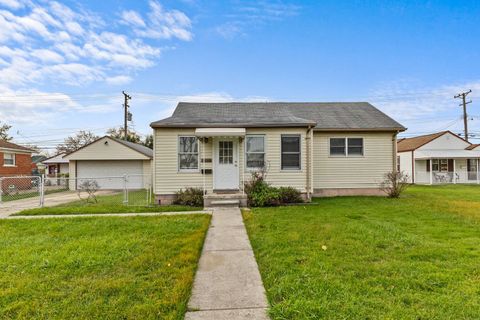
(107, 160)
(439, 158)
(321, 149)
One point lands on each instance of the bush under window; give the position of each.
(189, 197)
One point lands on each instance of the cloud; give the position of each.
(161, 23)
(48, 41)
(13, 4)
(425, 109)
(253, 14)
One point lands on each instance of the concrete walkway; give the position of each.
(10, 207)
(227, 283)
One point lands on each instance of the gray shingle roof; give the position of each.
(135, 146)
(322, 115)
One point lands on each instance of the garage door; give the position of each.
(108, 174)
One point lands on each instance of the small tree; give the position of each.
(80, 139)
(4, 128)
(119, 133)
(148, 142)
(89, 187)
(395, 183)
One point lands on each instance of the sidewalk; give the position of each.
(227, 283)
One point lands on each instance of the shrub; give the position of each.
(289, 195)
(189, 197)
(395, 183)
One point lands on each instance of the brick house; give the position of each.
(15, 160)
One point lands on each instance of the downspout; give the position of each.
(394, 140)
(413, 166)
(309, 163)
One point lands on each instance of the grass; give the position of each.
(99, 268)
(106, 204)
(372, 258)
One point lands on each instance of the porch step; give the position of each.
(225, 203)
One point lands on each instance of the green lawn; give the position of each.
(107, 204)
(28, 194)
(417, 257)
(99, 268)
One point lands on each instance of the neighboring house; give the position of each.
(107, 160)
(56, 166)
(441, 157)
(321, 149)
(15, 160)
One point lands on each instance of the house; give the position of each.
(441, 157)
(15, 160)
(321, 149)
(56, 166)
(107, 159)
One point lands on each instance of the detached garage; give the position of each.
(107, 160)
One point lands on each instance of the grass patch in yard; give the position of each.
(106, 204)
(411, 258)
(99, 268)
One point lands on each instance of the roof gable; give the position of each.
(321, 115)
(108, 148)
(410, 144)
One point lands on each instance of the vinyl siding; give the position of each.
(446, 142)
(169, 180)
(406, 163)
(365, 171)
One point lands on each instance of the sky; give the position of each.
(64, 64)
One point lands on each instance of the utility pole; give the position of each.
(127, 116)
(464, 103)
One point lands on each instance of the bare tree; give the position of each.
(89, 187)
(119, 133)
(77, 141)
(4, 128)
(395, 183)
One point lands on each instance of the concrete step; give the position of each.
(225, 203)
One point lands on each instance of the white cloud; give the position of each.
(251, 14)
(426, 109)
(161, 23)
(48, 41)
(118, 80)
(13, 4)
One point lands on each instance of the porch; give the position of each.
(447, 168)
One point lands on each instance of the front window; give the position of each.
(355, 146)
(291, 152)
(440, 165)
(188, 153)
(8, 159)
(337, 147)
(255, 152)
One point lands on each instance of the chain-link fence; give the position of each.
(131, 190)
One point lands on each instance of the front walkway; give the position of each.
(227, 283)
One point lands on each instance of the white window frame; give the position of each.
(346, 148)
(178, 155)
(299, 136)
(13, 158)
(264, 151)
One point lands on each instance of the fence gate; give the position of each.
(28, 189)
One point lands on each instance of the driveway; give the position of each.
(53, 199)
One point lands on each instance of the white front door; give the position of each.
(226, 164)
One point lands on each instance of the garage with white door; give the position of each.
(112, 163)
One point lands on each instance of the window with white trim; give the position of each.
(346, 147)
(291, 156)
(9, 159)
(187, 153)
(255, 151)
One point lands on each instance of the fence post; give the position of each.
(125, 190)
(42, 190)
(1, 190)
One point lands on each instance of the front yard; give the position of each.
(99, 268)
(372, 258)
(107, 204)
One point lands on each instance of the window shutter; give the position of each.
(450, 165)
(428, 165)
